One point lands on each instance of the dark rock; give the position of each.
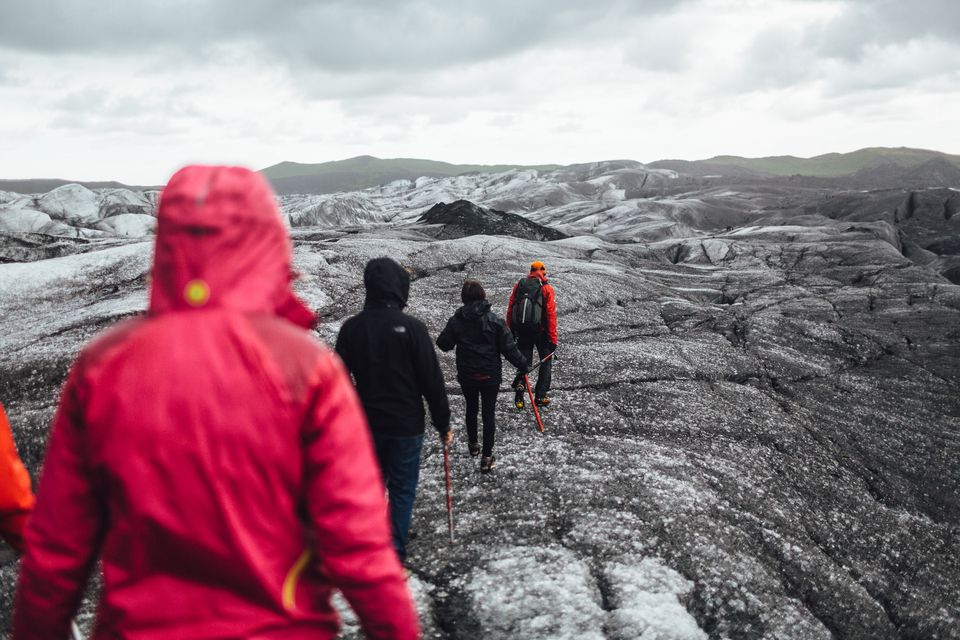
(28, 247)
(949, 246)
(463, 218)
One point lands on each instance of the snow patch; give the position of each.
(715, 250)
(645, 597)
(22, 278)
(536, 592)
(420, 592)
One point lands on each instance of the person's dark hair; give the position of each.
(472, 290)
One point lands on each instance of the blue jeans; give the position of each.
(399, 458)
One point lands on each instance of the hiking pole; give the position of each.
(75, 630)
(533, 403)
(537, 366)
(446, 472)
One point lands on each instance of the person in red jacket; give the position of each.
(212, 454)
(16, 499)
(532, 317)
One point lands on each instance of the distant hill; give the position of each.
(705, 168)
(874, 165)
(43, 185)
(936, 172)
(363, 172)
(827, 165)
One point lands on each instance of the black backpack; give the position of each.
(526, 317)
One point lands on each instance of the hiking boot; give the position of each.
(487, 464)
(518, 401)
(543, 401)
(474, 449)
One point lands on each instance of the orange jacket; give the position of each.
(549, 305)
(16, 499)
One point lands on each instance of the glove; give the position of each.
(552, 346)
(446, 438)
(518, 384)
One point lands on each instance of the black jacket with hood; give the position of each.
(480, 336)
(391, 357)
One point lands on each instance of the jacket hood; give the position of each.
(221, 244)
(387, 283)
(540, 275)
(474, 310)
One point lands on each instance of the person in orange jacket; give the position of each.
(16, 499)
(532, 317)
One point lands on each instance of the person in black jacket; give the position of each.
(395, 367)
(480, 336)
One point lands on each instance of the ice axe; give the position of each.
(526, 383)
(537, 366)
(533, 403)
(446, 472)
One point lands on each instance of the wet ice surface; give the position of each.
(753, 435)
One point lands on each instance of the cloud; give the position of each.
(776, 58)
(333, 35)
(111, 112)
(863, 26)
(499, 81)
(838, 48)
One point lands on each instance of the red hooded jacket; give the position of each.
(16, 499)
(212, 454)
(549, 305)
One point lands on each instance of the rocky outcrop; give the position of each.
(462, 218)
(72, 211)
(924, 219)
(936, 172)
(340, 210)
(30, 247)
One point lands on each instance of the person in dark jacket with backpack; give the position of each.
(395, 368)
(532, 317)
(480, 337)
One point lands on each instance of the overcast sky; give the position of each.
(131, 90)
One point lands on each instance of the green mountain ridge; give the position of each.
(832, 165)
(363, 172)
(372, 164)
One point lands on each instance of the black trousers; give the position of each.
(542, 343)
(487, 397)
